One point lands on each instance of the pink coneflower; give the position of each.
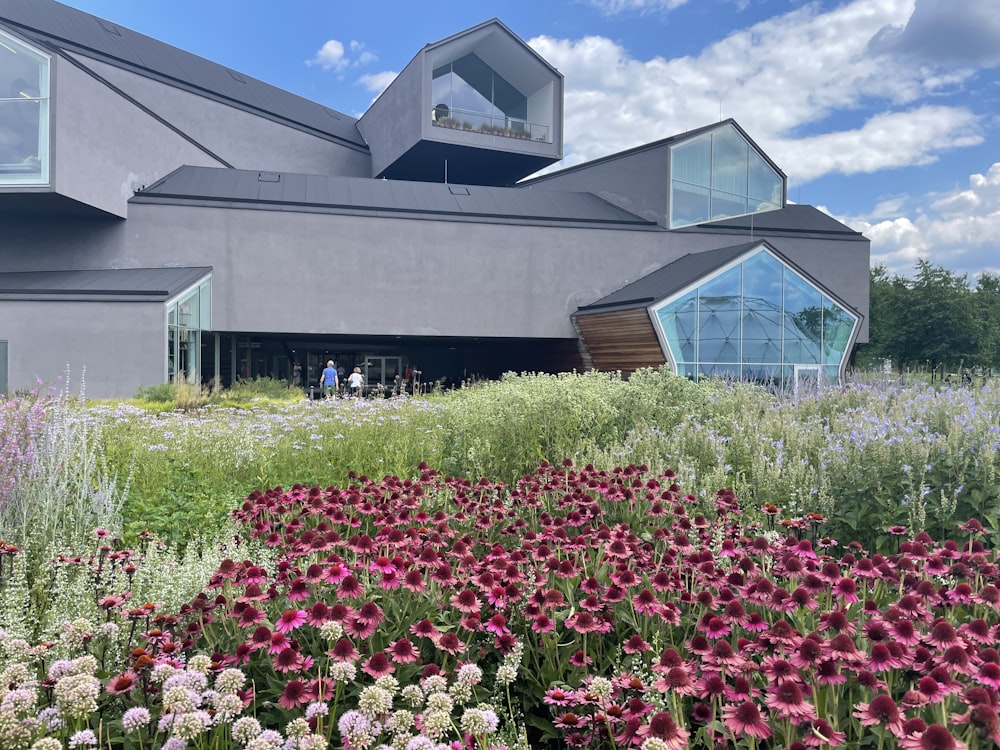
(250, 615)
(942, 635)
(370, 614)
(423, 629)
(646, 603)
(559, 697)
(663, 727)
(402, 651)
(466, 601)
(583, 622)
(635, 645)
(931, 690)
(882, 711)
(580, 659)
(838, 622)
(957, 660)
(358, 628)
(344, 650)
(818, 733)
(807, 654)
(905, 632)
(983, 719)
(318, 614)
(787, 702)
(277, 643)
(122, 683)
(569, 721)
(287, 660)
(350, 588)
(988, 674)
(936, 737)
(413, 580)
(745, 719)
(675, 680)
(842, 647)
(710, 685)
(716, 627)
(880, 659)
(723, 656)
(295, 694)
(498, 625)
(289, 620)
(378, 665)
(543, 624)
(846, 590)
(449, 642)
(978, 630)
(382, 564)
(298, 591)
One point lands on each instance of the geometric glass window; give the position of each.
(188, 315)
(718, 176)
(24, 113)
(756, 319)
(468, 94)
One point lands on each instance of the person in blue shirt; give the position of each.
(329, 380)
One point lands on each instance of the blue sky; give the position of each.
(882, 112)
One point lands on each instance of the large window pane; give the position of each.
(723, 167)
(729, 162)
(24, 113)
(803, 320)
(688, 204)
(837, 327)
(678, 321)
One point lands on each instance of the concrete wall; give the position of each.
(244, 140)
(104, 147)
(637, 182)
(114, 347)
(395, 122)
(422, 277)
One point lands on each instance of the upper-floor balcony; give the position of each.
(490, 124)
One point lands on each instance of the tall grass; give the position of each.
(866, 456)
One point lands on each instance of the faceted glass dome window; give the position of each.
(719, 175)
(756, 319)
(24, 113)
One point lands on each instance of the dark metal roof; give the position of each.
(670, 140)
(792, 219)
(299, 192)
(669, 279)
(53, 24)
(111, 284)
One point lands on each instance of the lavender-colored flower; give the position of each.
(83, 738)
(135, 719)
(315, 709)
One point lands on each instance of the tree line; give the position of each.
(935, 320)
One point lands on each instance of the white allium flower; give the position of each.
(440, 702)
(469, 673)
(343, 671)
(200, 663)
(245, 729)
(230, 680)
(601, 688)
(135, 718)
(332, 631)
(413, 695)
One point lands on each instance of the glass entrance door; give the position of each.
(382, 371)
(807, 378)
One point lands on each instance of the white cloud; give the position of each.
(378, 82)
(333, 56)
(959, 230)
(778, 78)
(620, 6)
(330, 56)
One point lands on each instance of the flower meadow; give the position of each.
(578, 607)
(606, 600)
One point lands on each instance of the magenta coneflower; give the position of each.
(580, 659)
(413, 580)
(663, 727)
(122, 683)
(277, 643)
(378, 665)
(543, 624)
(818, 733)
(449, 642)
(931, 690)
(287, 660)
(260, 638)
(905, 632)
(318, 614)
(559, 697)
(880, 659)
(646, 603)
(635, 645)
(498, 625)
(343, 650)
(250, 615)
(779, 670)
(466, 601)
(402, 651)
(983, 719)
(295, 694)
(807, 654)
(716, 627)
(935, 737)
(979, 631)
(675, 680)
(988, 674)
(350, 588)
(745, 719)
(289, 620)
(942, 635)
(882, 711)
(786, 701)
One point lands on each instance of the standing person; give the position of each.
(355, 381)
(297, 374)
(329, 380)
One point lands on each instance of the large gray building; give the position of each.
(165, 217)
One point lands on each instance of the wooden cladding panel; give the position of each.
(622, 340)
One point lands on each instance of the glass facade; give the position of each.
(468, 94)
(187, 316)
(24, 114)
(757, 320)
(718, 176)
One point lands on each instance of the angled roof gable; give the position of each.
(61, 27)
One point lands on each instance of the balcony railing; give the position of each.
(481, 122)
